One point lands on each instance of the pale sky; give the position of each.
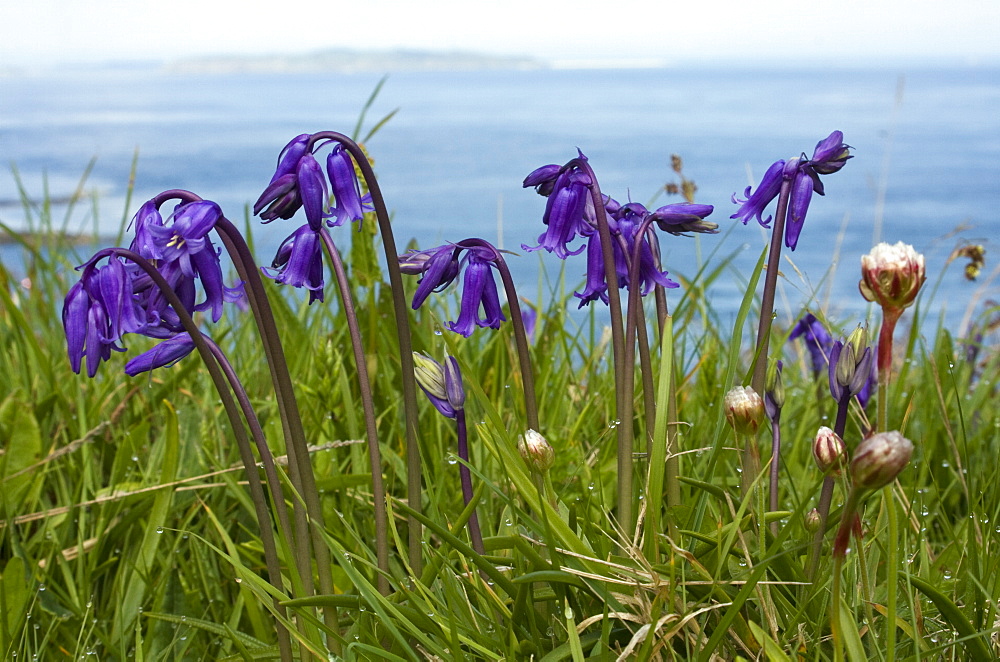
(43, 32)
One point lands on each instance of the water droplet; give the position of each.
(41, 587)
(135, 458)
(159, 529)
(239, 580)
(437, 332)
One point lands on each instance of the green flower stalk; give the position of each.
(891, 275)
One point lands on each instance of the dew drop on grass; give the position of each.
(239, 580)
(551, 632)
(41, 587)
(159, 529)
(437, 332)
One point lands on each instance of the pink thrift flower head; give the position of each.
(892, 275)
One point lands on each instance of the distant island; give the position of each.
(350, 61)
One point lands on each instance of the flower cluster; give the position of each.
(438, 267)
(802, 176)
(570, 212)
(119, 297)
(299, 182)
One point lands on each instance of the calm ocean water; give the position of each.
(927, 144)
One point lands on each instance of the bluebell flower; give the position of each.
(299, 262)
(118, 297)
(683, 217)
(298, 182)
(350, 204)
(830, 155)
(164, 354)
(93, 315)
(437, 268)
(479, 290)
(818, 341)
(440, 266)
(568, 211)
(624, 225)
(754, 204)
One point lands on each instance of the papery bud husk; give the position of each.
(829, 451)
(812, 521)
(536, 451)
(892, 275)
(744, 409)
(879, 459)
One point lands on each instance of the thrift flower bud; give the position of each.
(536, 451)
(744, 409)
(891, 276)
(829, 451)
(812, 521)
(879, 459)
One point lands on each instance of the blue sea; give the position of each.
(451, 161)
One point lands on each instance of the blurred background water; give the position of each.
(451, 161)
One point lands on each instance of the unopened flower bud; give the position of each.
(891, 275)
(429, 374)
(774, 388)
(536, 451)
(442, 384)
(829, 451)
(879, 459)
(811, 521)
(744, 409)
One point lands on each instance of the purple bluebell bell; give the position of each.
(478, 290)
(97, 311)
(818, 341)
(298, 182)
(830, 155)
(437, 268)
(681, 218)
(755, 203)
(565, 215)
(440, 266)
(299, 262)
(164, 354)
(350, 205)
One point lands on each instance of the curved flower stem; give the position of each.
(264, 523)
(261, 308)
(263, 450)
(672, 470)
(825, 499)
(475, 534)
(635, 329)
(770, 285)
(300, 465)
(520, 336)
(368, 406)
(623, 389)
(413, 472)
